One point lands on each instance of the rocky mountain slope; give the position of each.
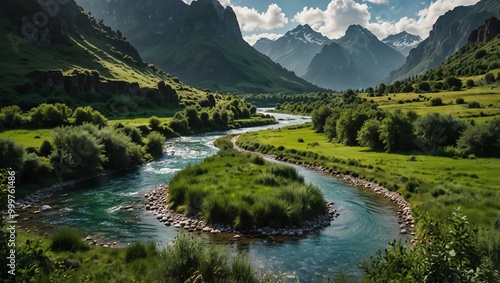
(200, 43)
(448, 35)
(402, 42)
(295, 49)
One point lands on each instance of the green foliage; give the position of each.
(481, 139)
(489, 78)
(77, 151)
(11, 116)
(188, 259)
(473, 104)
(243, 190)
(36, 168)
(88, 115)
(319, 117)
(348, 125)
(45, 148)
(154, 144)
(396, 132)
(135, 251)
(369, 135)
(437, 129)
(459, 100)
(154, 123)
(436, 101)
(449, 253)
(11, 155)
(66, 239)
(119, 149)
(134, 134)
(50, 115)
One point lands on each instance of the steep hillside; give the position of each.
(334, 68)
(448, 35)
(480, 56)
(402, 42)
(68, 51)
(295, 49)
(373, 58)
(202, 44)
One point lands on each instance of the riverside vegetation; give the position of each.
(244, 191)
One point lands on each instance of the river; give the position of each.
(366, 223)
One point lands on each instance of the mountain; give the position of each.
(373, 60)
(479, 56)
(448, 34)
(200, 43)
(59, 53)
(333, 68)
(402, 42)
(295, 49)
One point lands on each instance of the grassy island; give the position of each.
(245, 191)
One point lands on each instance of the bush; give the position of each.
(459, 100)
(300, 140)
(11, 155)
(436, 101)
(473, 104)
(135, 251)
(438, 191)
(154, 123)
(67, 240)
(369, 135)
(36, 168)
(154, 144)
(469, 83)
(489, 78)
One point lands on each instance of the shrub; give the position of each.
(473, 104)
(469, 83)
(489, 78)
(459, 100)
(135, 251)
(369, 135)
(412, 184)
(68, 240)
(300, 140)
(438, 191)
(154, 123)
(154, 144)
(11, 155)
(436, 101)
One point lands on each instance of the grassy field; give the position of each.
(244, 191)
(28, 137)
(488, 97)
(432, 184)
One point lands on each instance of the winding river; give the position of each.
(366, 223)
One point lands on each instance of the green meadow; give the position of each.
(433, 185)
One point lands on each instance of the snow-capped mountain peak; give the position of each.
(403, 42)
(307, 35)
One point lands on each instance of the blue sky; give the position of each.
(273, 18)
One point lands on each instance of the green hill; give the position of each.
(68, 40)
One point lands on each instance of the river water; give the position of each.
(95, 207)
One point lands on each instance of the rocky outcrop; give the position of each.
(84, 83)
(486, 32)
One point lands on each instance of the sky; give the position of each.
(273, 18)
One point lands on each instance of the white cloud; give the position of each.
(377, 1)
(340, 14)
(251, 39)
(337, 17)
(422, 25)
(250, 19)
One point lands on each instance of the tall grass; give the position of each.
(188, 259)
(67, 239)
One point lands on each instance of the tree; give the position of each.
(369, 135)
(191, 114)
(330, 127)
(489, 78)
(436, 101)
(50, 115)
(452, 83)
(11, 116)
(11, 155)
(396, 132)
(77, 151)
(469, 83)
(481, 139)
(439, 129)
(45, 148)
(134, 134)
(319, 117)
(348, 125)
(87, 114)
(119, 149)
(423, 87)
(154, 144)
(381, 89)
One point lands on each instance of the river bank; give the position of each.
(155, 202)
(405, 216)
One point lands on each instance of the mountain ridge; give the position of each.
(403, 42)
(449, 33)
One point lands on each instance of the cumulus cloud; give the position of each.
(251, 39)
(336, 18)
(377, 1)
(250, 19)
(340, 14)
(422, 25)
